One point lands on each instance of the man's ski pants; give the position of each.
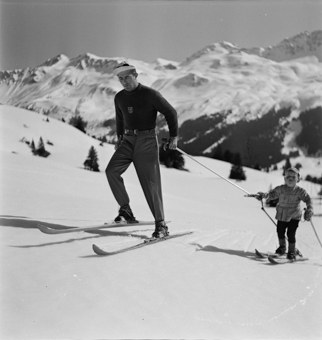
(143, 151)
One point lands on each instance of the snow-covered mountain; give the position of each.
(301, 45)
(264, 103)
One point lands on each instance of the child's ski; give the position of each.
(275, 260)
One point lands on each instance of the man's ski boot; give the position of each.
(125, 213)
(291, 256)
(281, 250)
(161, 230)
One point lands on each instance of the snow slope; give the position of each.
(206, 285)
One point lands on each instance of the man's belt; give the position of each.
(137, 132)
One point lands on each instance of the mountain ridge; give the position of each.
(303, 44)
(219, 81)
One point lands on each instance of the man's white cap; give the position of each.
(122, 67)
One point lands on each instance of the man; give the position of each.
(136, 108)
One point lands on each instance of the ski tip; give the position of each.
(259, 254)
(45, 229)
(271, 260)
(97, 250)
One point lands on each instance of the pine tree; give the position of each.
(41, 146)
(298, 166)
(237, 172)
(287, 165)
(78, 123)
(40, 151)
(91, 162)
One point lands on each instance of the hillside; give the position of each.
(231, 94)
(206, 285)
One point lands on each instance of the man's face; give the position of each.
(128, 80)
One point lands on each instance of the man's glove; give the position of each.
(308, 214)
(171, 143)
(119, 141)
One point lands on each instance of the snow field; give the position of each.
(205, 285)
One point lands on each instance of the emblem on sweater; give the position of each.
(130, 109)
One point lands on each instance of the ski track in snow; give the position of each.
(249, 241)
(245, 241)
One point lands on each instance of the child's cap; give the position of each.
(293, 169)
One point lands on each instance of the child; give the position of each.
(288, 210)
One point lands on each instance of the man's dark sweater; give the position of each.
(137, 110)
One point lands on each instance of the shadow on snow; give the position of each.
(26, 223)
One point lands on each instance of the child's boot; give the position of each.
(291, 255)
(281, 250)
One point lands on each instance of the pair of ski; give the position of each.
(276, 258)
(98, 250)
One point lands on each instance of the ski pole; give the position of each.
(227, 180)
(267, 213)
(248, 194)
(254, 195)
(316, 234)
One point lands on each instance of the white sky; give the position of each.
(33, 30)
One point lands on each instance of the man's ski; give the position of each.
(51, 231)
(275, 260)
(100, 251)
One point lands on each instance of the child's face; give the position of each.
(290, 178)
